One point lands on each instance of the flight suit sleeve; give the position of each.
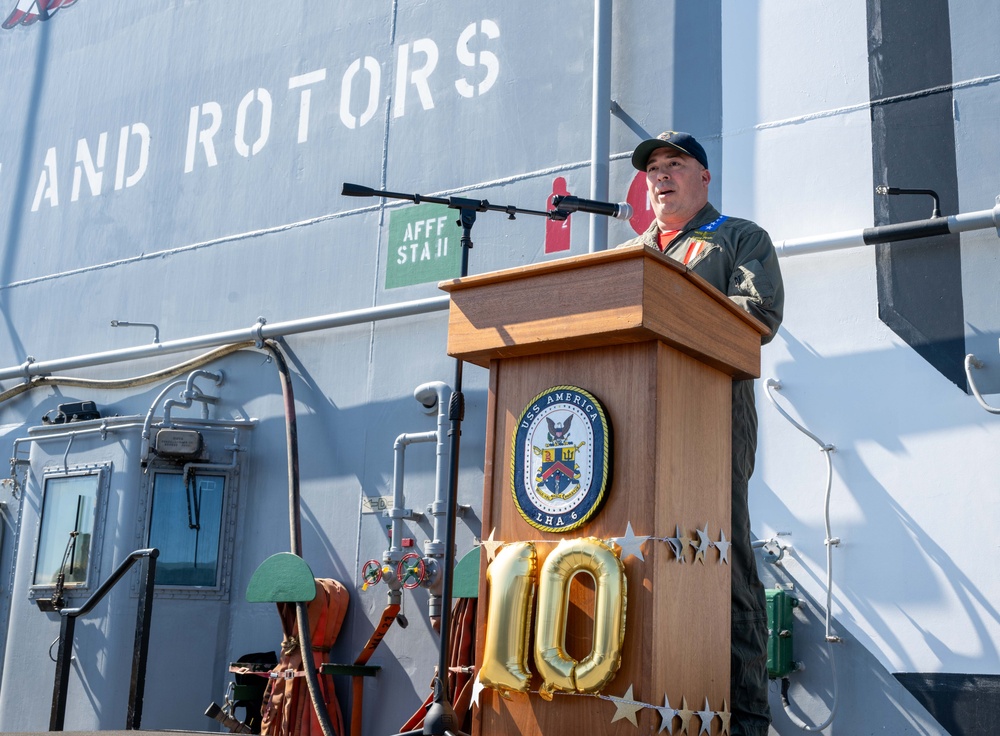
(756, 284)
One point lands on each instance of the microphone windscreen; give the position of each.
(357, 190)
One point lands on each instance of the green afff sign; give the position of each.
(423, 245)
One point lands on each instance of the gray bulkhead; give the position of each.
(226, 137)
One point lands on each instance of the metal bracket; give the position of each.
(259, 329)
(156, 329)
(461, 509)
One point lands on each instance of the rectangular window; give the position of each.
(67, 529)
(185, 525)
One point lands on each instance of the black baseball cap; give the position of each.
(683, 142)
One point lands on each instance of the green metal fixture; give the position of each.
(779, 632)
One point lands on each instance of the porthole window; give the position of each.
(66, 536)
(188, 509)
(185, 526)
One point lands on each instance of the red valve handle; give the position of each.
(411, 570)
(371, 573)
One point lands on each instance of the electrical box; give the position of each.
(78, 411)
(779, 632)
(182, 443)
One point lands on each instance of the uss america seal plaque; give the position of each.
(561, 466)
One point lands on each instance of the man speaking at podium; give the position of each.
(737, 257)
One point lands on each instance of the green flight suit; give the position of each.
(738, 258)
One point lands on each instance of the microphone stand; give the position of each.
(440, 719)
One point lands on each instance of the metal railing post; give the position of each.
(57, 716)
(63, 661)
(137, 687)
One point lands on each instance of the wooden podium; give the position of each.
(659, 348)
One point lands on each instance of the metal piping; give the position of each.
(192, 393)
(979, 220)
(232, 465)
(105, 428)
(972, 362)
(398, 512)
(116, 384)
(437, 394)
(960, 223)
(148, 421)
(600, 126)
(392, 556)
(257, 333)
(830, 541)
(433, 395)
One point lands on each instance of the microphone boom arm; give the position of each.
(455, 203)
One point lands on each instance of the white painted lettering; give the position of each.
(142, 131)
(204, 137)
(48, 182)
(264, 97)
(360, 95)
(305, 97)
(375, 82)
(85, 164)
(418, 77)
(487, 58)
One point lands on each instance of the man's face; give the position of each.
(678, 187)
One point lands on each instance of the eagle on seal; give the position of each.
(558, 432)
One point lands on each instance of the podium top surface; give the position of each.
(612, 297)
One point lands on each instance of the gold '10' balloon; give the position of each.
(511, 577)
(512, 581)
(559, 671)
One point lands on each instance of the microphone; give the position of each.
(357, 190)
(622, 210)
